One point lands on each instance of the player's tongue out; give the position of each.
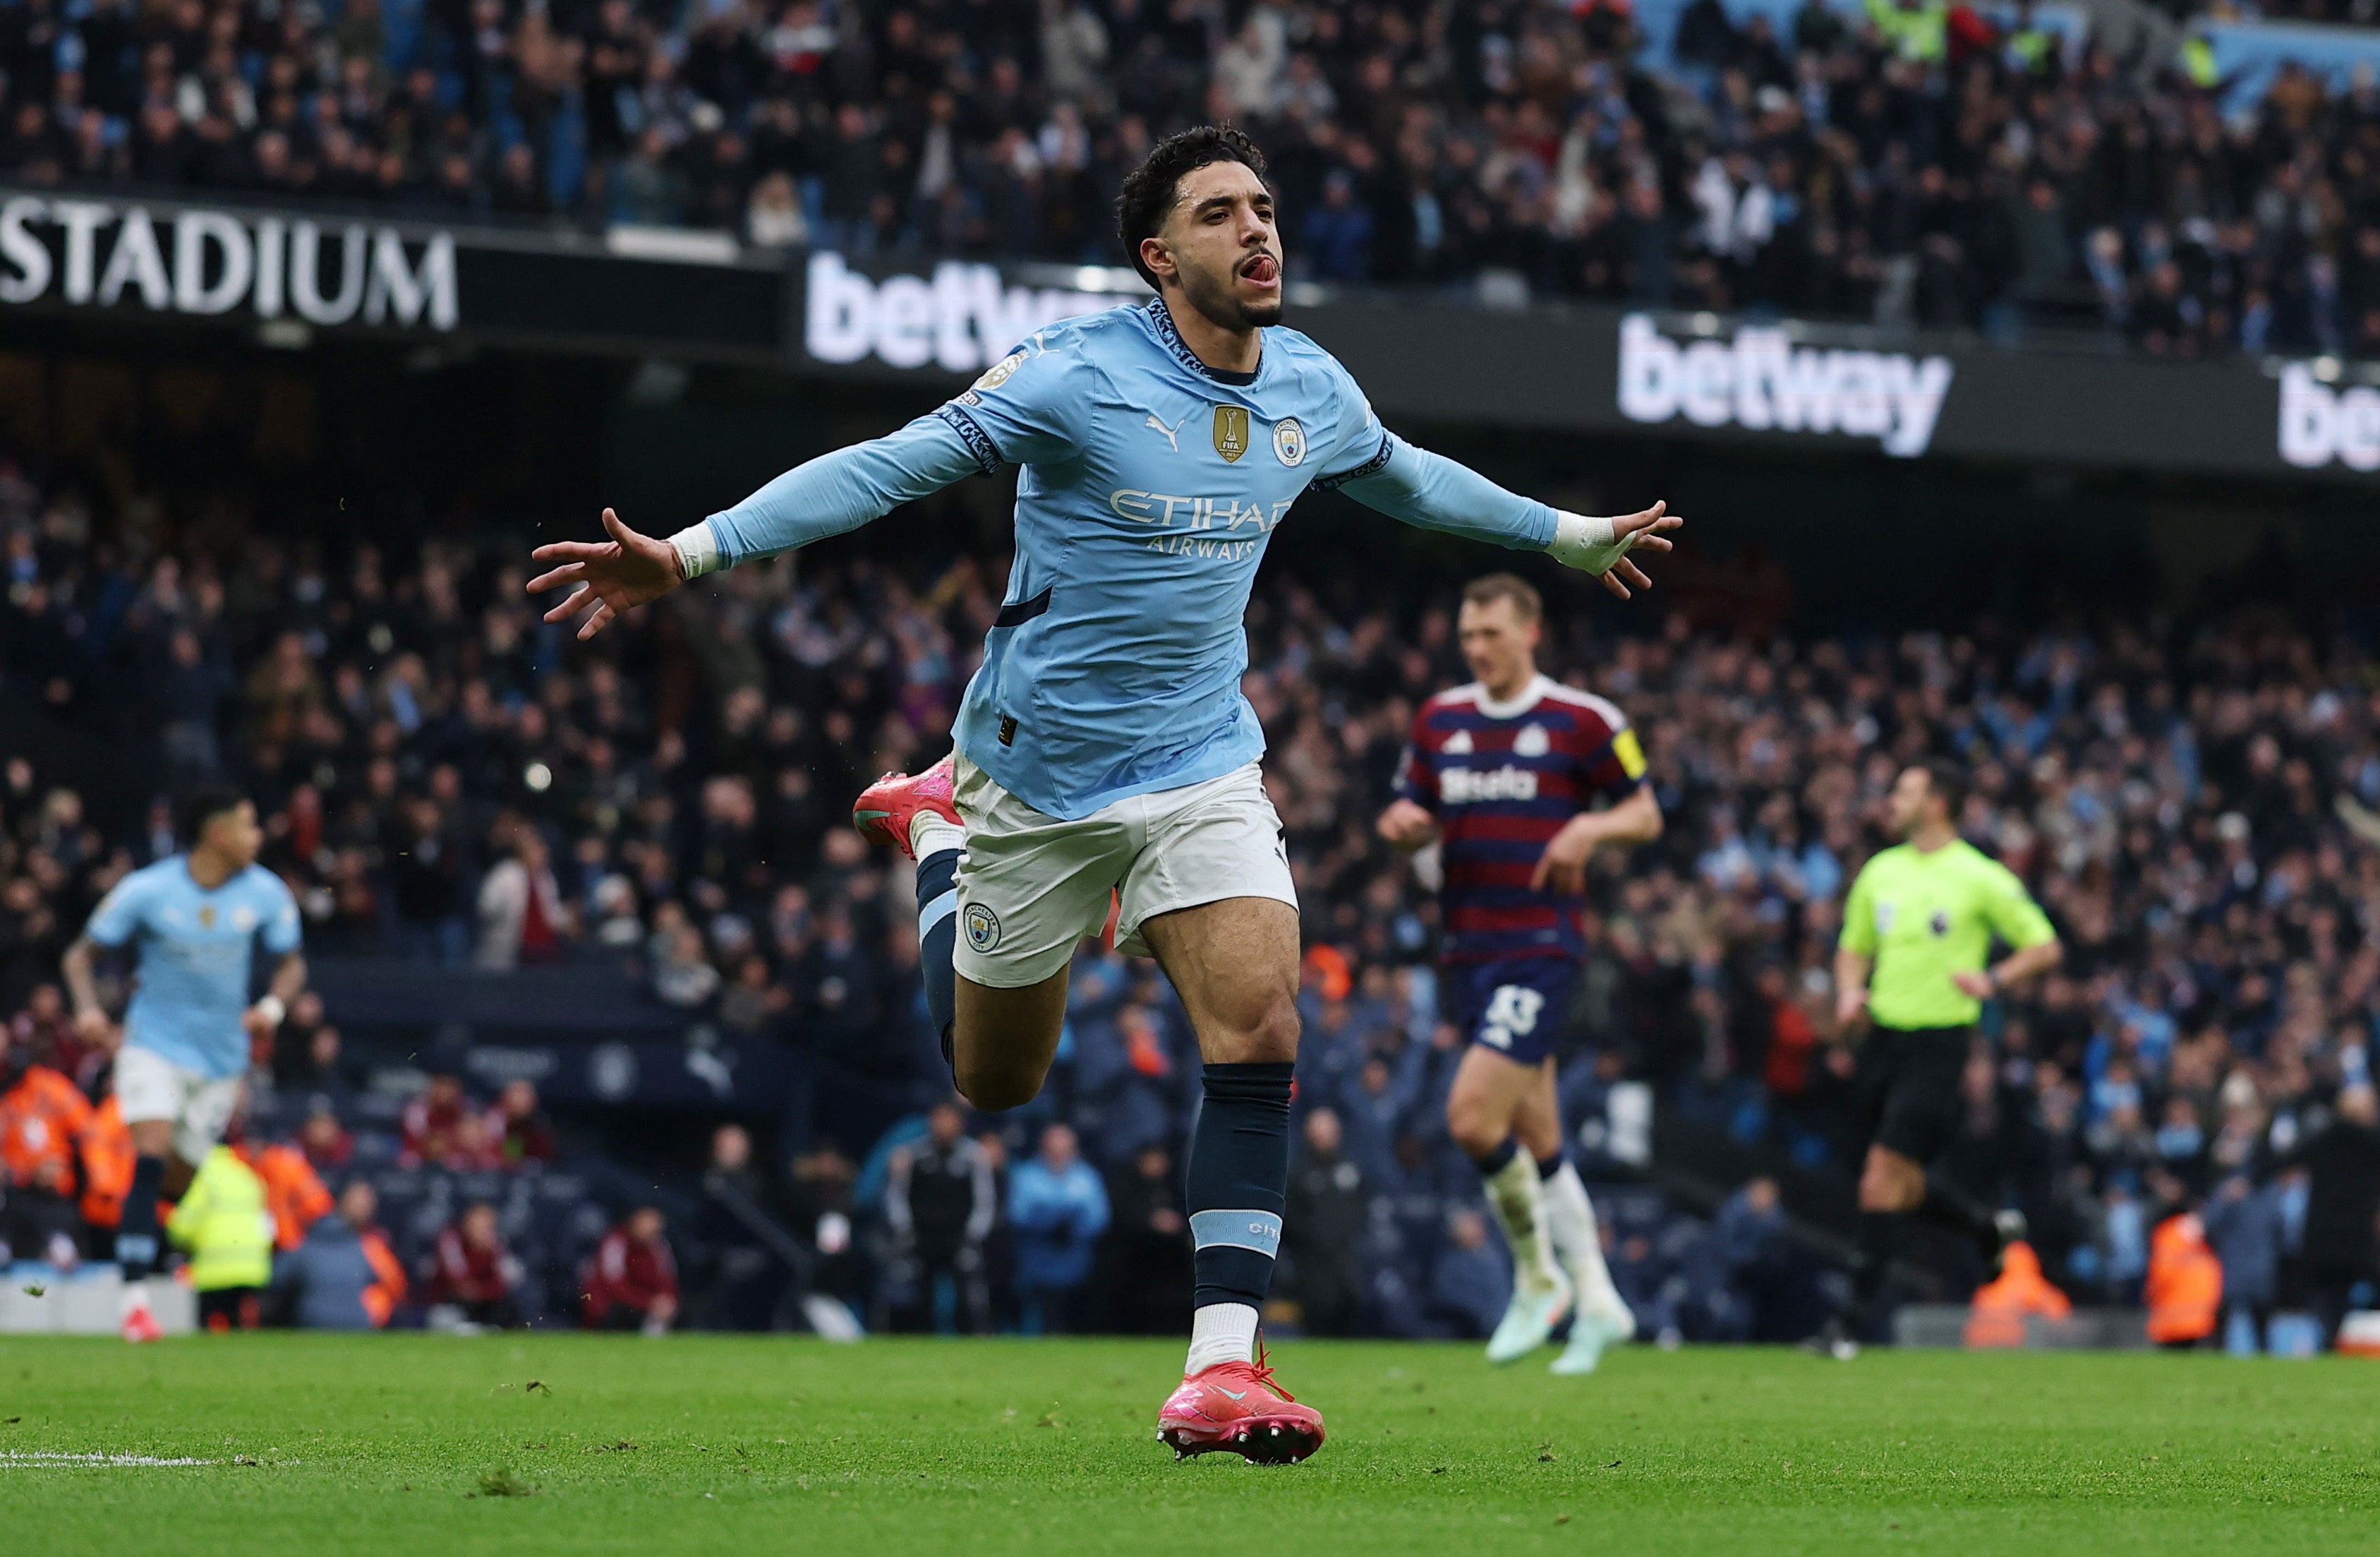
(1262, 269)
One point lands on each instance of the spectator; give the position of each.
(743, 1257)
(2185, 1284)
(523, 921)
(2019, 1293)
(517, 1128)
(1058, 1209)
(2342, 1212)
(222, 1219)
(1147, 1250)
(343, 1276)
(940, 1205)
(1323, 1231)
(1470, 1282)
(43, 1122)
(2244, 1224)
(433, 1123)
(631, 1282)
(472, 1276)
(293, 1194)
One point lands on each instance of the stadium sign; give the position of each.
(192, 260)
(2320, 424)
(961, 319)
(1758, 379)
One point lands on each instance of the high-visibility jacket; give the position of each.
(41, 1119)
(2185, 1281)
(224, 1223)
(1922, 34)
(2020, 1290)
(293, 1191)
(107, 1163)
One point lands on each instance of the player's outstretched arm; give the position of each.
(1435, 492)
(822, 497)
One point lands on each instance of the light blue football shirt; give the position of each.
(193, 948)
(1151, 484)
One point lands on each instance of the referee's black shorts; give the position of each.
(1908, 1084)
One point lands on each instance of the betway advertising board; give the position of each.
(287, 275)
(1823, 389)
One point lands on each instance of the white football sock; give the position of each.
(1571, 1217)
(1520, 1205)
(1220, 1332)
(931, 833)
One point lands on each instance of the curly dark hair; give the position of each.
(1149, 189)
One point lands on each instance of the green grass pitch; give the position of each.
(426, 1446)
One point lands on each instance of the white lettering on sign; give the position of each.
(1758, 379)
(2320, 424)
(206, 263)
(961, 321)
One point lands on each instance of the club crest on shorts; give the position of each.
(1230, 432)
(982, 927)
(1289, 442)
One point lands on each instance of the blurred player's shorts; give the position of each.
(149, 1087)
(1031, 886)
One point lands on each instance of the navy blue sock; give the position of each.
(1493, 1163)
(135, 1234)
(1548, 1166)
(1239, 1181)
(937, 931)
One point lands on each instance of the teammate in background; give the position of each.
(1500, 775)
(193, 920)
(1914, 957)
(1105, 740)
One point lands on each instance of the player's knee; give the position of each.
(1472, 1129)
(1264, 1034)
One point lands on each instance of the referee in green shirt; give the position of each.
(1916, 955)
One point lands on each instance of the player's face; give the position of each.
(1498, 644)
(234, 836)
(1221, 247)
(1912, 801)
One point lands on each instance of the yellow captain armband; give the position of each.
(1631, 753)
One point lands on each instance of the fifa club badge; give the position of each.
(1230, 432)
(1289, 442)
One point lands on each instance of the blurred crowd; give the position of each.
(446, 779)
(1915, 161)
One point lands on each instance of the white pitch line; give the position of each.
(36, 1458)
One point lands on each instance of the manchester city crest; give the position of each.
(1289, 442)
(982, 927)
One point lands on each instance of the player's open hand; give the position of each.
(608, 576)
(1648, 530)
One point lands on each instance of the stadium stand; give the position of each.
(2194, 804)
(2003, 167)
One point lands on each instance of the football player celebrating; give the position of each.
(1104, 740)
(1500, 776)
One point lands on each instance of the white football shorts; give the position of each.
(1030, 887)
(148, 1085)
